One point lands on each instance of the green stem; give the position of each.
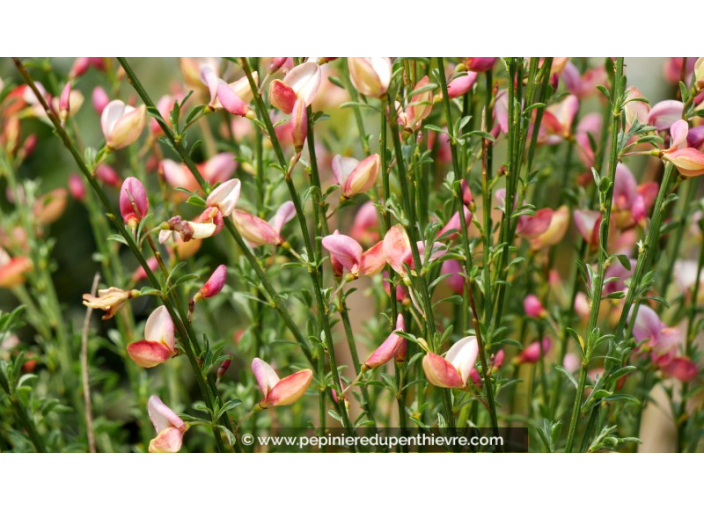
(598, 284)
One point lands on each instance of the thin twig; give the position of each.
(84, 369)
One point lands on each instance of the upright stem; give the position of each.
(300, 215)
(113, 215)
(598, 284)
(467, 252)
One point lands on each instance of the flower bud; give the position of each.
(76, 187)
(122, 124)
(107, 175)
(533, 352)
(480, 64)
(389, 348)
(276, 64)
(134, 203)
(370, 75)
(299, 124)
(461, 85)
(100, 99)
(533, 307)
(12, 270)
(223, 368)
(214, 284)
(65, 103)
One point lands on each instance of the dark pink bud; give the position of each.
(134, 203)
(532, 353)
(65, 103)
(214, 284)
(76, 187)
(480, 64)
(299, 124)
(223, 368)
(107, 175)
(100, 99)
(276, 64)
(533, 307)
(467, 198)
(461, 85)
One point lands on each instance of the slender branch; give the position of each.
(84, 369)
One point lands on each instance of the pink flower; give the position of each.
(122, 124)
(370, 75)
(346, 253)
(219, 168)
(392, 346)
(559, 223)
(533, 307)
(649, 330)
(689, 161)
(64, 103)
(214, 284)
(531, 227)
(366, 224)
(454, 226)
(480, 64)
(590, 124)
(454, 369)
(169, 427)
(231, 102)
(159, 344)
(532, 353)
(456, 281)
(461, 85)
(257, 231)
(665, 113)
(82, 64)
(12, 270)
(107, 175)
(301, 82)
(395, 245)
(585, 85)
(76, 187)
(681, 368)
(110, 300)
(134, 204)
(421, 104)
(225, 196)
(355, 177)
(279, 392)
(558, 118)
(635, 110)
(588, 223)
(100, 99)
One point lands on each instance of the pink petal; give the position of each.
(665, 113)
(395, 245)
(160, 328)
(346, 251)
(388, 348)
(440, 373)
(289, 389)
(373, 260)
(265, 375)
(148, 354)
(162, 416)
(285, 213)
(463, 355)
(305, 81)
